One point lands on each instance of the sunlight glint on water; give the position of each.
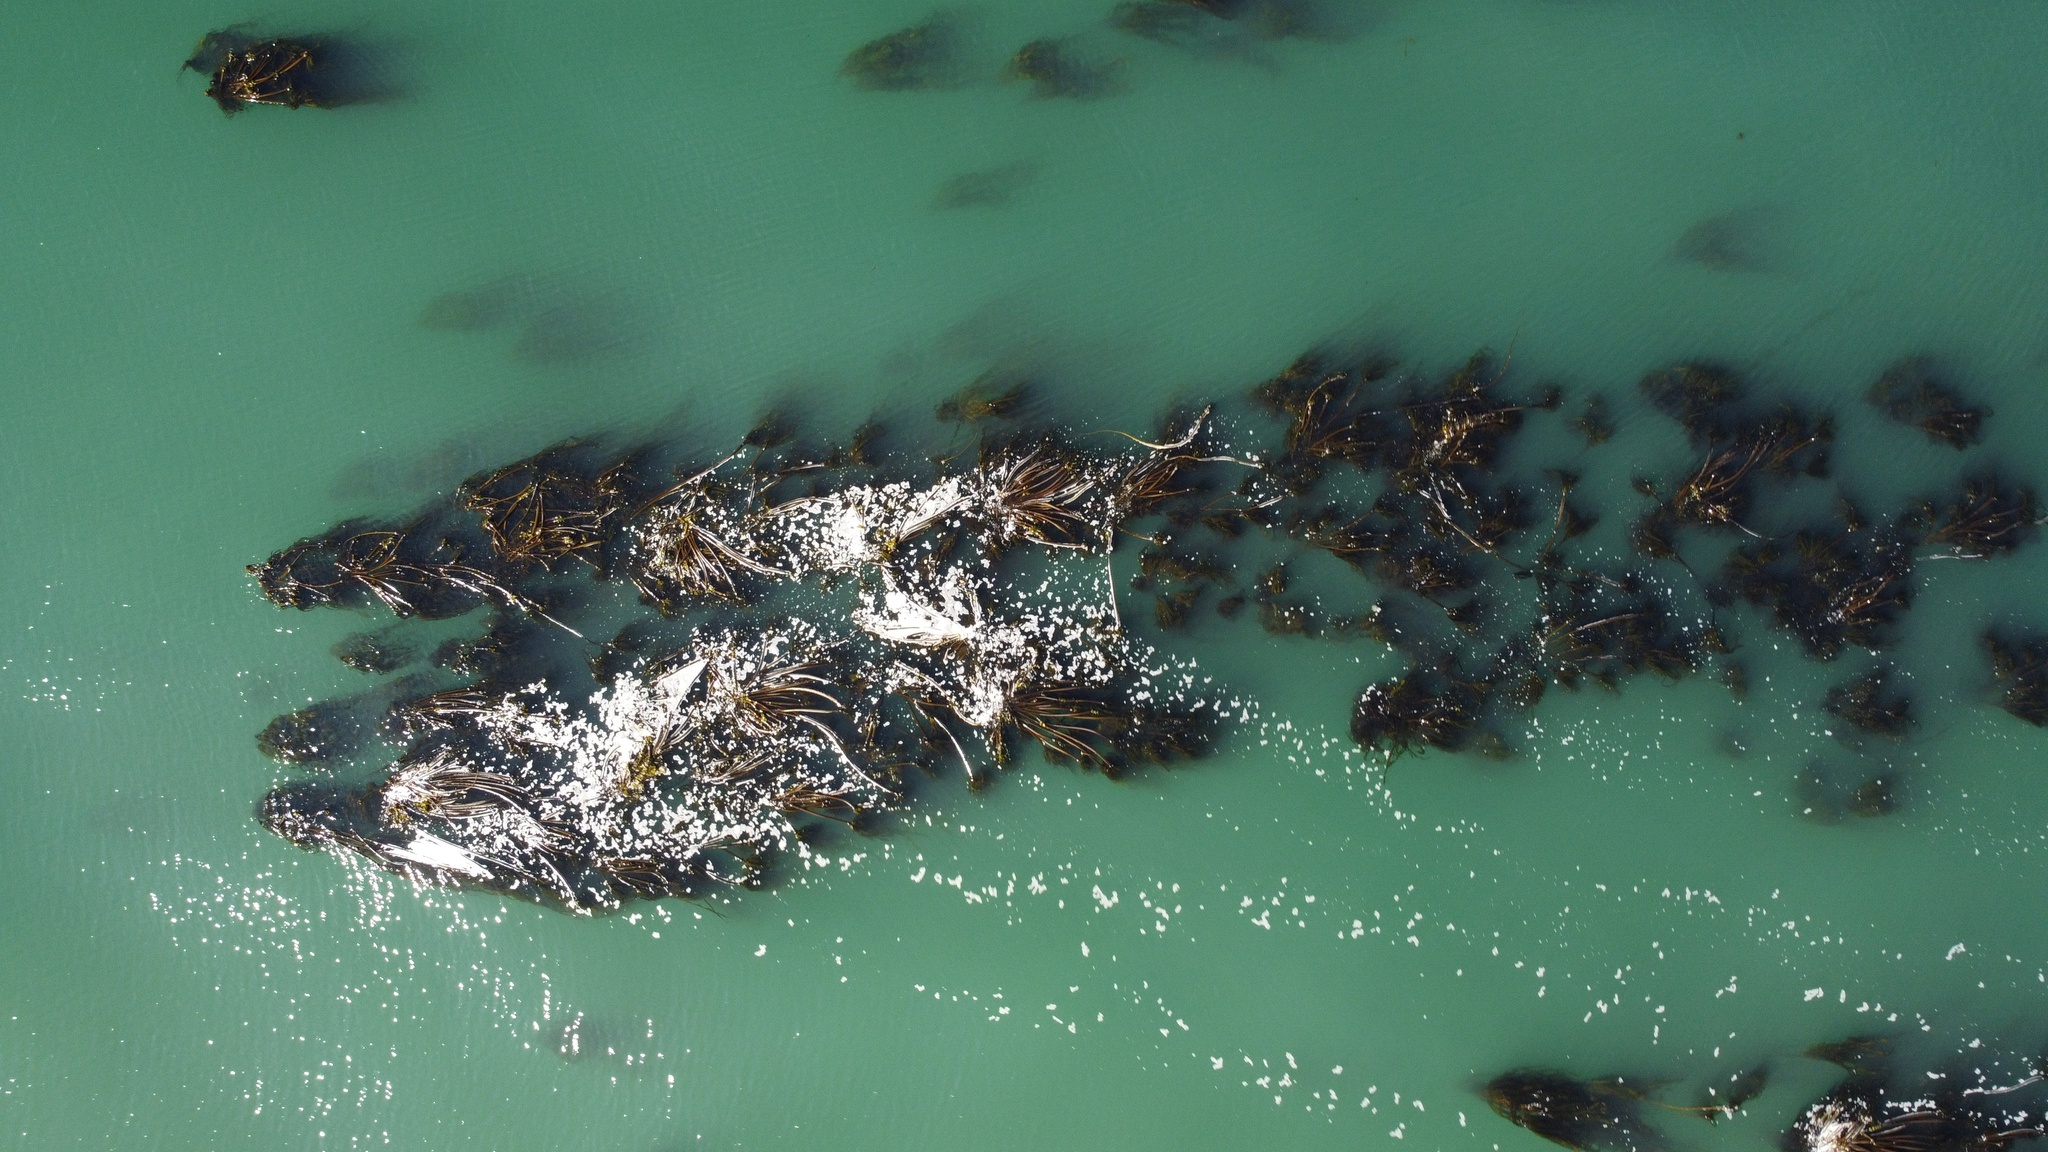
(215, 347)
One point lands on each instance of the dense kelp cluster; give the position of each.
(1409, 481)
(824, 626)
(803, 623)
(1876, 1108)
(1401, 477)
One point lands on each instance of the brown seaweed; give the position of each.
(1071, 725)
(1332, 421)
(1427, 708)
(1987, 518)
(2019, 665)
(1878, 1110)
(1877, 796)
(1487, 584)
(1577, 1114)
(540, 510)
(1606, 642)
(376, 653)
(408, 570)
(1825, 793)
(1718, 491)
(1170, 609)
(1865, 704)
(1056, 69)
(451, 709)
(1190, 27)
(689, 548)
(1594, 421)
(1742, 1087)
(1831, 589)
(925, 55)
(1697, 395)
(1858, 1055)
(1912, 393)
(327, 730)
(990, 397)
(246, 72)
(1039, 493)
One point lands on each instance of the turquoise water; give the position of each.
(214, 347)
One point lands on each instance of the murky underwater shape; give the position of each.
(653, 225)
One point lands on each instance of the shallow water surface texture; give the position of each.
(650, 225)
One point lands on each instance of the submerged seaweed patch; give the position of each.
(925, 55)
(1059, 68)
(1911, 392)
(987, 188)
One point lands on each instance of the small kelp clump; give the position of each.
(1827, 792)
(1871, 703)
(1847, 1122)
(375, 653)
(1580, 1114)
(1171, 22)
(2019, 664)
(1060, 69)
(1738, 451)
(553, 319)
(321, 731)
(1872, 1111)
(992, 396)
(1424, 709)
(546, 509)
(407, 568)
(1987, 518)
(291, 71)
(925, 55)
(1911, 393)
(1832, 588)
(328, 731)
(1607, 1113)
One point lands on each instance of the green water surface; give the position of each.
(211, 344)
